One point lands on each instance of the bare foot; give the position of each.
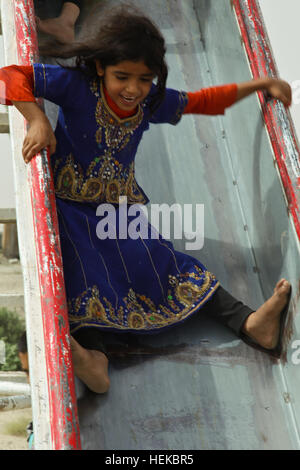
(60, 28)
(91, 367)
(263, 326)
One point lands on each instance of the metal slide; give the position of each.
(195, 386)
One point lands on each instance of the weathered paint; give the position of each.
(34, 325)
(62, 400)
(277, 118)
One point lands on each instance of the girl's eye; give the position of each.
(122, 78)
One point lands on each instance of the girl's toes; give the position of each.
(285, 287)
(282, 286)
(279, 284)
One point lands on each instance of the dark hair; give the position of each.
(123, 33)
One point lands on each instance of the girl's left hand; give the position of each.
(280, 90)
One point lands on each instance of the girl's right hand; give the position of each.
(39, 136)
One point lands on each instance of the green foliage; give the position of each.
(11, 329)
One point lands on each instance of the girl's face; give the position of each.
(127, 83)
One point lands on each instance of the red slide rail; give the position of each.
(63, 408)
(278, 121)
(64, 425)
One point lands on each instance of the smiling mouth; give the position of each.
(128, 99)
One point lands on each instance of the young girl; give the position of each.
(117, 89)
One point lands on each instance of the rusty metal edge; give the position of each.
(64, 425)
(278, 120)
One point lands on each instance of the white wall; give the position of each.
(281, 18)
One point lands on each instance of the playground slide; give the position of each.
(195, 386)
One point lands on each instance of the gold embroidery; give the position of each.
(92, 189)
(113, 192)
(107, 171)
(115, 132)
(105, 180)
(133, 192)
(141, 313)
(187, 293)
(95, 309)
(155, 319)
(67, 179)
(135, 321)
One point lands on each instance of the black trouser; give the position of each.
(41, 3)
(222, 306)
(227, 310)
(77, 2)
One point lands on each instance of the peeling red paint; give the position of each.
(278, 120)
(62, 398)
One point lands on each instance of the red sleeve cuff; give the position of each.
(16, 84)
(213, 100)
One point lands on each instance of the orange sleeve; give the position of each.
(213, 100)
(16, 84)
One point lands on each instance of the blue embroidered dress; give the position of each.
(121, 284)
